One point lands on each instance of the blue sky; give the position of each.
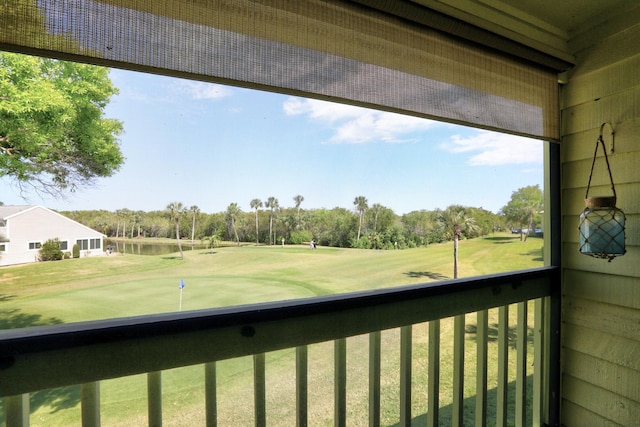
(210, 145)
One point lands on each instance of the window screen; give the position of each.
(337, 50)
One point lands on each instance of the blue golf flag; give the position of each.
(181, 284)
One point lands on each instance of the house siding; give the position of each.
(37, 225)
(601, 300)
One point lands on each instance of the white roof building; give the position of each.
(23, 230)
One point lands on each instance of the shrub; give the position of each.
(212, 241)
(363, 243)
(51, 251)
(299, 237)
(76, 251)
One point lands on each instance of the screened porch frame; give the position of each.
(28, 355)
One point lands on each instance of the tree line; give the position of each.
(54, 138)
(365, 226)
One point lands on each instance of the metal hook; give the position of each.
(611, 146)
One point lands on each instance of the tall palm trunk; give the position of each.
(178, 238)
(456, 239)
(193, 229)
(257, 227)
(233, 225)
(271, 230)
(455, 257)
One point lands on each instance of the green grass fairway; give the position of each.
(131, 285)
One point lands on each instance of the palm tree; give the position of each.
(272, 203)
(118, 213)
(141, 216)
(361, 205)
(126, 213)
(276, 219)
(376, 208)
(195, 211)
(256, 204)
(135, 219)
(455, 221)
(232, 213)
(298, 201)
(175, 211)
(212, 241)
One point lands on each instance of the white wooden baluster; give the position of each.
(90, 404)
(301, 386)
(340, 383)
(521, 365)
(154, 398)
(260, 390)
(539, 368)
(433, 382)
(405, 375)
(458, 371)
(503, 366)
(482, 335)
(374, 378)
(211, 398)
(17, 410)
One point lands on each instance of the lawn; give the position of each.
(130, 285)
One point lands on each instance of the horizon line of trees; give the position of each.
(365, 227)
(39, 92)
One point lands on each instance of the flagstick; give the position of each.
(181, 287)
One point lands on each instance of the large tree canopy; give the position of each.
(525, 204)
(53, 133)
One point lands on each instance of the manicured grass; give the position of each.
(129, 285)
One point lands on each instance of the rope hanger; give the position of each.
(600, 141)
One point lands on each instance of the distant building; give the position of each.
(23, 230)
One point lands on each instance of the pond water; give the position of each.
(150, 248)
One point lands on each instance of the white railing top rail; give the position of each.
(44, 357)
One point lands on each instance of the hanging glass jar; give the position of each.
(602, 228)
(602, 224)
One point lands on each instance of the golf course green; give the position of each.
(131, 285)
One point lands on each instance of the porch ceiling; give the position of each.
(546, 25)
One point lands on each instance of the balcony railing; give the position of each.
(85, 354)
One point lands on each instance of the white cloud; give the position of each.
(357, 125)
(492, 149)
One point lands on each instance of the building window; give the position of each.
(94, 243)
(86, 244)
(63, 245)
(2, 247)
(34, 245)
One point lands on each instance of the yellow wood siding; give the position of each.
(601, 300)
